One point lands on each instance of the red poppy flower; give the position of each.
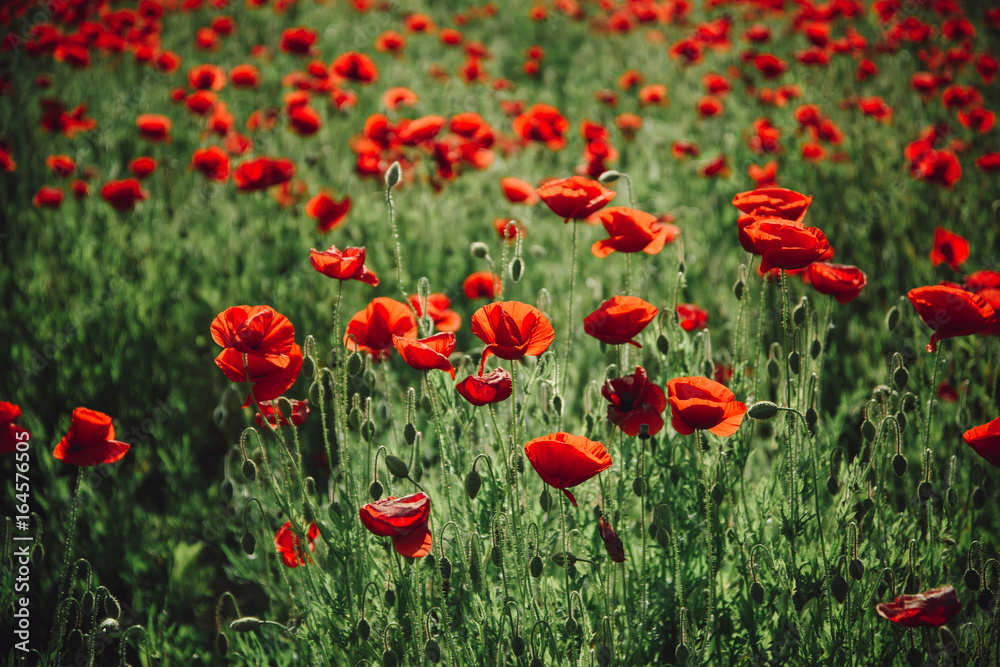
(563, 460)
(267, 338)
(697, 403)
(291, 551)
(764, 175)
(427, 353)
(328, 213)
(716, 167)
(390, 41)
(930, 608)
(769, 65)
(245, 76)
(213, 162)
(692, 318)
(951, 311)
(61, 165)
(682, 148)
(154, 127)
(519, 192)
(840, 281)
(263, 172)
(654, 93)
(508, 229)
(480, 284)
(90, 441)
(941, 167)
(575, 197)
(619, 319)
(207, 77)
(11, 433)
(374, 327)
(949, 248)
(404, 520)
(346, 265)
(300, 410)
(631, 231)
(544, 124)
(355, 66)
(485, 389)
(635, 401)
(304, 120)
(438, 309)
(48, 196)
(785, 245)
(298, 41)
(709, 106)
(123, 194)
(511, 330)
(984, 439)
(142, 167)
(397, 97)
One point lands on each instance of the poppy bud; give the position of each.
(793, 362)
(914, 657)
(979, 498)
(762, 410)
(516, 267)
(368, 430)
(892, 319)
(908, 403)
(924, 491)
(375, 490)
(563, 558)
(389, 658)
(246, 624)
(249, 470)
(718, 493)
(354, 364)
(899, 465)
(681, 654)
(545, 500)
(815, 347)
(638, 486)
(535, 566)
(517, 646)
(799, 312)
(479, 250)
(392, 174)
(536, 662)
(832, 485)
(109, 628)
(838, 586)
(334, 511)
(111, 607)
(496, 557)
(364, 629)
(354, 418)
(972, 579)
(425, 403)
(609, 176)
(389, 597)
(868, 430)
(662, 538)
(773, 369)
(397, 466)
(409, 433)
(811, 418)
(557, 404)
(226, 489)
(738, 288)
(603, 655)
(249, 543)
(900, 378)
(708, 368)
(856, 569)
(432, 651)
(985, 599)
(757, 592)
(663, 344)
(571, 626)
(221, 644)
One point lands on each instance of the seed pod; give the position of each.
(815, 348)
(221, 644)
(900, 378)
(389, 597)
(757, 592)
(793, 362)
(432, 650)
(663, 344)
(868, 430)
(389, 658)
(718, 493)
(638, 486)
(979, 498)
(762, 410)
(249, 470)
(535, 566)
(393, 174)
(249, 543)
(397, 466)
(246, 624)
(562, 558)
(354, 364)
(479, 250)
(473, 482)
(516, 268)
(368, 430)
(832, 485)
(892, 319)
(856, 569)
(496, 556)
(972, 579)
(838, 587)
(375, 490)
(409, 433)
(364, 629)
(662, 538)
(545, 500)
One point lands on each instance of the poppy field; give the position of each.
(549, 332)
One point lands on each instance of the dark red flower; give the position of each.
(634, 401)
(90, 441)
(207, 77)
(404, 520)
(485, 389)
(291, 551)
(841, 281)
(697, 403)
(619, 320)
(691, 317)
(785, 245)
(612, 543)
(427, 353)
(372, 329)
(154, 127)
(355, 67)
(245, 76)
(544, 124)
(300, 410)
(949, 248)
(563, 460)
(297, 40)
(328, 213)
(11, 433)
(304, 120)
(631, 231)
(951, 311)
(575, 198)
(511, 330)
(931, 608)
(213, 162)
(346, 265)
(48, 196)
(123, 194)
(263, 172)
(439, 310)
(481, 284)
(61, 165)
(518, 192)
(142, 167)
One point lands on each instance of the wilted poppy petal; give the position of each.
(931, 608)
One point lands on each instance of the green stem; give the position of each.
(398, 247)
(56, 642)
(930, 403)
(569, 315)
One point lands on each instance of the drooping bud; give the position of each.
(900, 378)
(924, 491)
(409, 433)
(681, 654)
(832, 485)
(979, 498)
(718, 493)
(762, 410)
(839, 587)
(609, 176)
(389, 597)
(249, 470)
(604, 655)
(663, 538)
(392, 174)
(793, 362)
(479, 250)
(856, 569)
(757, 592)
(914, 657)
(638, 486)
(375, 490)
(246, 624)
(473, 482)
(517, 646)
(972, 579)
(799, 312)
(815, 347)
(388, 657)
(109, 628)
(354, 418)
(432, 650)
(612, 543)
(354, 364)
(892, 319)
(811, 418)
(368, 430)
(249, 543)
(773, 369)
(563, 558)
(868, 430)
(557, 404)
(535, 566)
(545, 500)
(221, 644)
(364, 629)
(445, 564)
(516, 268)
(226, 489)
(397, 466)
(899, 465)
(663, 344)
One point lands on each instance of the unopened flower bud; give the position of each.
(681, 654)
(638, 486)
(432, 650)
(604, 655)
(762, 410)
(109, 628)
(924, 490)
(899, 465)
(811, 418)
(388, 657)
(663, 344)
(557, 404)
(249, 543)
(799, 312)
(496, 556)
(832, 485)
(409, 433)
(375, 490)
(856, 568)
(815, 347)
(868, 430)
(892, 319)
(479, 249)
(738, 288)
(389, 598)
(900, 378)
(517, 646)
(545, 500)
(972, 579)
(612, 543)
(979, 498)
(368, 430)
(226, 489)
(392, 174)
(473, 482)
(718, 493)
(246, 624)
(793, 362)
(773, 369)
(397, 466)
(354, 364)
(609, 176)
(535, 566)
(757, 592)
(221, 644)
(563, 558)
(111, 607)
(364, 629)
(249, 470)
(354, 418)
(662, 538)
(516, 268)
